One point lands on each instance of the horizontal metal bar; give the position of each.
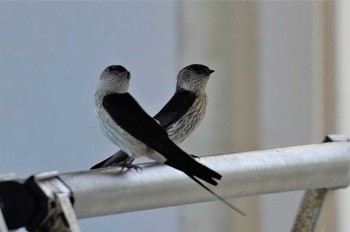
(110, 190)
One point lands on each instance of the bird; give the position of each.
(127, 125)
(182, 114)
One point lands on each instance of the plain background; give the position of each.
(51, 56)
(268, 89)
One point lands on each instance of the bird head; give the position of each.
(114, 79)
(194, 77)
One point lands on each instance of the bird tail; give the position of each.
(178, 159)
(200, 171)
(238, 210)
(119, 157)
(194, 169)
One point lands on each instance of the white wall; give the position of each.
(342, 96)
(286, 93)
(268, 92)
(223, 35)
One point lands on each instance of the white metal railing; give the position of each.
(113, 190)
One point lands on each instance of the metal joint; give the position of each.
(60, 215)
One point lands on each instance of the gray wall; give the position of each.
(51, 56)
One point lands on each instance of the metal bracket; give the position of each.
(5, 177)
(60, 216)
(312, 207)
(335, 138)
(3, 226)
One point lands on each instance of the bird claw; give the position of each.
(195, 156)
(127, 163)
(132, 166)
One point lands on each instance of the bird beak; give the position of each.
(127, 74)
(211, 71)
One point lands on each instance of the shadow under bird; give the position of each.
(127, 125)
(181, 116)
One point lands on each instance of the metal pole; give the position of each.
(310, 211)
(109, 191)
(50, 196)
(312, 207)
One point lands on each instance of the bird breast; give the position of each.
(118, 136)
(183, 128)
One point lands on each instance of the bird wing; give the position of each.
(129, 115)
(176, 108)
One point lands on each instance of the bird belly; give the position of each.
(183, 128)
(120, 137)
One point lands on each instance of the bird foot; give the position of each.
(127, 163)
(195, 156)
(132, 166)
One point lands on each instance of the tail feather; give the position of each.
(118, 157)
(238, 210)
(178, 159)
(193, 168)
(101, 164)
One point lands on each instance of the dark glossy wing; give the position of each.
(176, 108)
(129, 115)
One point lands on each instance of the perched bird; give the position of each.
(181, 115)
(127, 125)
